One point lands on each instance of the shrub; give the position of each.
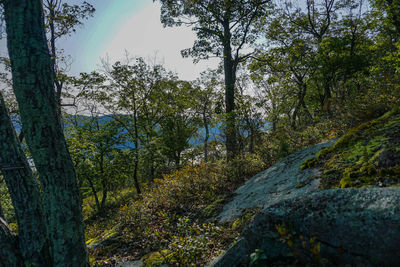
(166, 225)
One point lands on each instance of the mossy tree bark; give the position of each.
(24, 192)
(33, 84)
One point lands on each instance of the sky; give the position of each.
(128, 26)
(131, 26)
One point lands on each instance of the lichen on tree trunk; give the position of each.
(33, 84)
(9, 252)
(24, 193)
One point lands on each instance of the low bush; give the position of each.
(167, 224)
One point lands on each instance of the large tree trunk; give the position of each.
(9, 252)
(24, 194)
(230, 132)
(33, 84)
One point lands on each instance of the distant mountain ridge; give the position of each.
(215, 132)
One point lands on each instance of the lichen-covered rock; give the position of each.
(283, 180)
(389, 158)
(236, 255)
(359, 227)
(304, 222)
(367, 155)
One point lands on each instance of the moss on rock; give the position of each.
(308, 163)
(367, 155)
(213, 209)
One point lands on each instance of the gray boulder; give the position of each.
(301, 224)
(236, 255)
(282, 181)
(359, 227)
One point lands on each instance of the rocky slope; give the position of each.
(282, 181)
(301, 219)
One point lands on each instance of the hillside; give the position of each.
(281, 148)
(300, 220)
(183, 224)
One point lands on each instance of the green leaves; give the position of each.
(207, 19)
(66, 17)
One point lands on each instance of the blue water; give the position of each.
(215, 132)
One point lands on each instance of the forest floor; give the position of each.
(171, 221)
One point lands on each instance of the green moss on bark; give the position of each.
(33, 85)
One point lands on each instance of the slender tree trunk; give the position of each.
(151, 160)
(296, 110)
(135, 175)
(230, 132)
(24, 193)
(205, 122)
(152, 169)
(80, 179)
(252, 139)
(105, 193)
(58, 84)
(104, 183)
(327, 97)
(274, 120)
(177, 159)
(301, 103)
(96, 198)
(33, 82)
(136, 163)
(1, 211)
